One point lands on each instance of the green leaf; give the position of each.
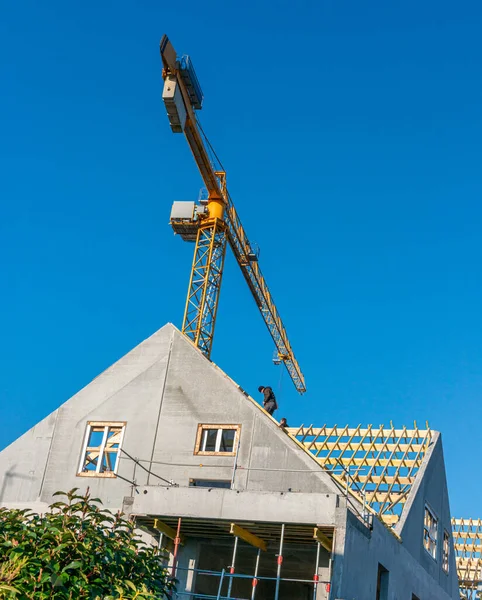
(8, 588)
(56, 581)
(75, 564)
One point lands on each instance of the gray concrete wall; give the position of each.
(23, 463)
(363, 551)
(130, 390)
(162, 389)
(196, 391)
(430, 489)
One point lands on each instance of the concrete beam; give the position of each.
(235, 506)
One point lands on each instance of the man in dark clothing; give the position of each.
(269, 400)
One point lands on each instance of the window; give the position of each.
(207, 483)
(446, 552)
(430, 533)
(217, 439)
(382, 583)
(101, 449)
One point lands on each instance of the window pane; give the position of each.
(382, 583)
(99, 458)
(430, 533)
(94, 442)
(227, 440)
(446, 552)
(95, 437)
(209, 440)
(113, 437)
(210, 484)
(108, 462)
(90, 462)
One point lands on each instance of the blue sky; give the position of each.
(351, 137)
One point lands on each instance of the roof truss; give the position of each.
(378, 464)
(467, 536)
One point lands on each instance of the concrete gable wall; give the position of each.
(197, 392)
(22, 464)
(430, 489)
(162, 389)
(128, 391)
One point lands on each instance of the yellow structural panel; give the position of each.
(166, 530)
(319, 536)
(248, 537)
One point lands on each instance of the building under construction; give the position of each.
(241, 507)
(238, 506)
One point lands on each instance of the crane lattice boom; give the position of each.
(211, 223)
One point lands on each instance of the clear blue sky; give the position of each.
(351, 134)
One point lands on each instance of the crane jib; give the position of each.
(212, 222)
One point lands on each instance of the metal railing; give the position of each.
(227, 577)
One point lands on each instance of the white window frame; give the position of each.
(106, 425)
(432, 539)
(201, 439)
(446, 552)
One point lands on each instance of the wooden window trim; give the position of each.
(202, 426)
(88, 428)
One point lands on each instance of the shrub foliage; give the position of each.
(76, 550)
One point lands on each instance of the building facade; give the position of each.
(262, 512)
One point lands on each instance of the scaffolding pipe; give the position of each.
(177, 541)
(241, 576)
(220, 585)
(255, 578)
(280, 562)
(231, 568)
(235, 465)
(316, 577)
(330, 567)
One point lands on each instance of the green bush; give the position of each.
(76, 550)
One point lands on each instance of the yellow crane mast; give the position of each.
(212, 222)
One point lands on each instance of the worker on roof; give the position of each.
(283, 423)
(269, 399)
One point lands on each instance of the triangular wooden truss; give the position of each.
(378, 464)
(467, 536)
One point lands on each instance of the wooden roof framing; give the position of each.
(467, 536)
(301, 533)
(378, 464)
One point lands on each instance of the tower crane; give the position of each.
(212, 222)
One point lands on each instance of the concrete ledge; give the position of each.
(204, 503)
(36, 507)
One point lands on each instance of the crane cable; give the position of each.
(280, 383)
(214, 154)
(210, 146)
